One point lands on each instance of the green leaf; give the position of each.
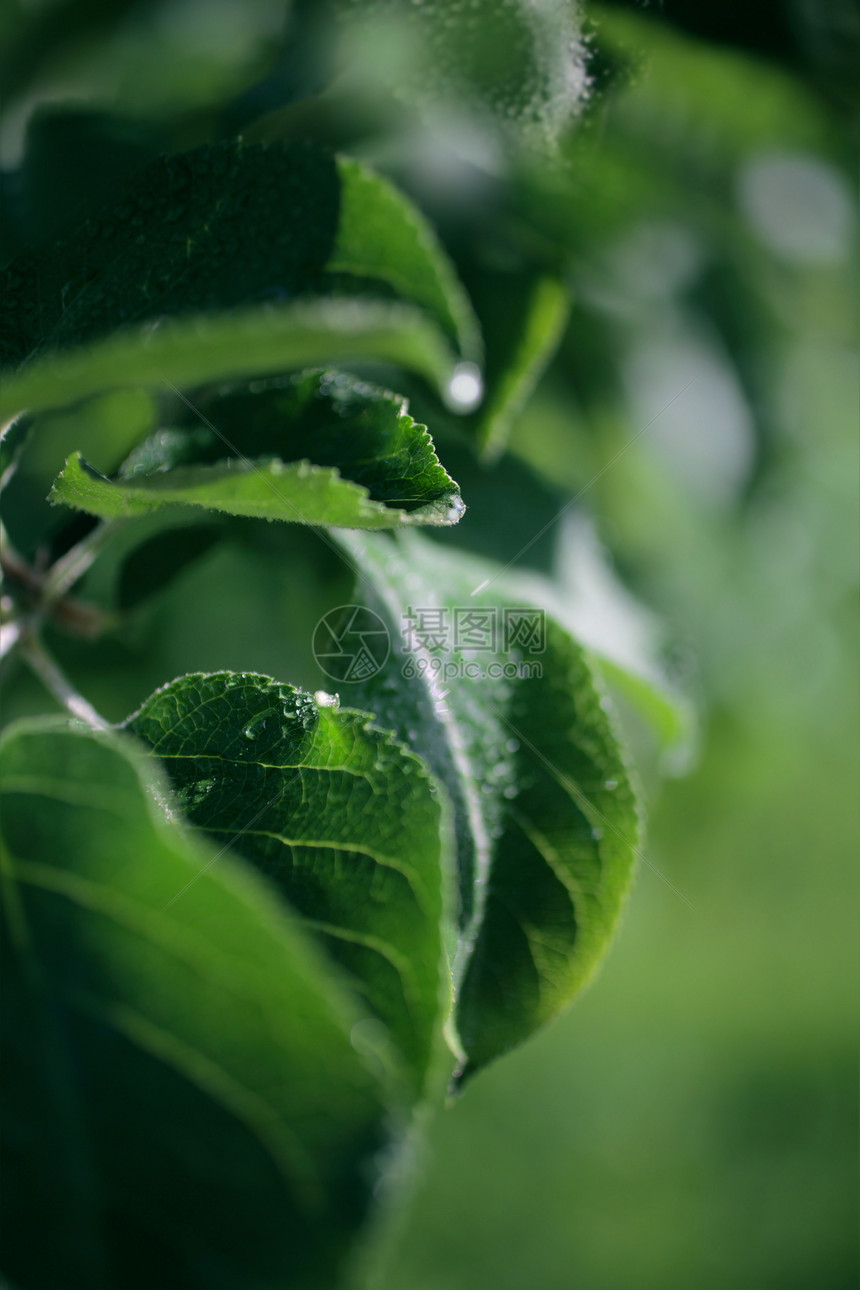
(227, 226)
(546, 815)
(250, 342)
(343, 819)
(182, 1088)
(382, 235)
(320, 448)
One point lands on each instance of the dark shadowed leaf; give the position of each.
(227, 226)
(181, 1093)
(76, 159)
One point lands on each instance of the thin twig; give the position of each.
(72, 566)
(13, 464)
(32, 649)
(76, 616)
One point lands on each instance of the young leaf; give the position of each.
(319, 448)
(546, 816)
(343, 819)
(181, 1090)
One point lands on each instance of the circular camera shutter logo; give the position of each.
(351, 643)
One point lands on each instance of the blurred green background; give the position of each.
(692, 1121)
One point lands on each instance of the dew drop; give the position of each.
(610, 784)
(455, 510)
(325, 700)
(466, 388)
